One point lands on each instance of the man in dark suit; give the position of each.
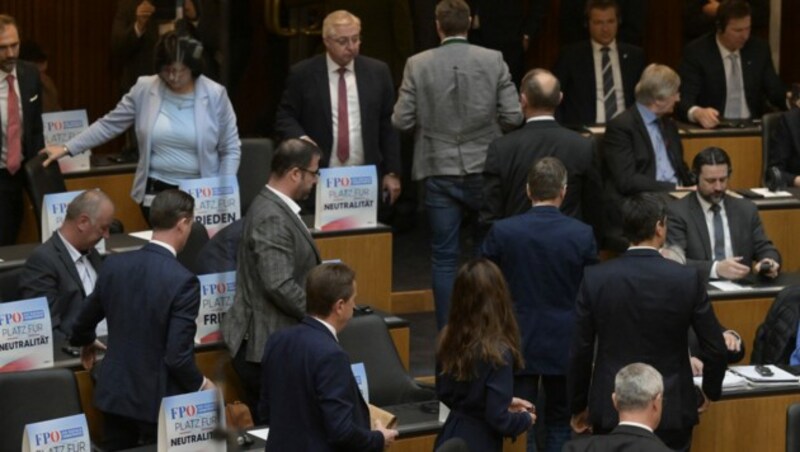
(638, 308)
(573, 27)
(720, 235)
(639, 398)
(20, 126)
(150, 302)
(784, 147)
(642, 150)
(510, 157)
(598, 75)
(729, 74)
(342, 102)
(309, 396)
(276, 253)
(542, 254)
(64, 268)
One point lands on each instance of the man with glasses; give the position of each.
(276, 253)
(342, 102)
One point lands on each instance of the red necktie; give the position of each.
(343, 135)
(13, 134)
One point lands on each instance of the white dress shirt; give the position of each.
(353, 113)
(289, 201)
(86, 271)
(613, 55)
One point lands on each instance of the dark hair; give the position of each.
(325, 285)
(453, 17)
(169, 207)
(546, 178)
(536, 94)
(292, 153)
(6, 20)
(731, 9)
(640, 214)
(180, 46)
(711, 156)
(481, 326)
(602, 5)
(87, 203)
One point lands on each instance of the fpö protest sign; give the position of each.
(347, 198)
(217, 291)
(65, 434)
(26, 335)
(60, 127)
(216, 201)
(187, 422)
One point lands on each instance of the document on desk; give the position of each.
(771, 194)
(730, 381)
(754, 377)
(730, 286)
(260, 433)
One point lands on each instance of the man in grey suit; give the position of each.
(275, 255)
(721, 235)
(64, 268)
(458, 98)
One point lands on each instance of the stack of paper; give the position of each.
(731, 381)
(779, 376)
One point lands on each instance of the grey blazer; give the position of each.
(459, 97)
(275, 255)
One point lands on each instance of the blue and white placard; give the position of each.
(347, 198)
(186, 422)
(217, 291)
(360, 374)
(216, 201)
(69, 433)
(60, 127)
(26, 335)
(54, 210)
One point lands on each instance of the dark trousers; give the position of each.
(556, 410)
(250, 376)
(121, 432)
(10, 206)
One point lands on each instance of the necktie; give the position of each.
(609, 95)
(343, 130)
(719, 234)
(14, 132)
(733, 101)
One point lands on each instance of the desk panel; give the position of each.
(745, 153)
(425, 443)
(744, 316)
(782, 226)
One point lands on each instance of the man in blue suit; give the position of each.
(542, 254)
(150, 302)
(309, 396)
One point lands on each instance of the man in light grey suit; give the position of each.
(458, 98)
(275, 255)
(721, 235)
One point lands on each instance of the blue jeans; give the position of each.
(450, 200)
(556, 410)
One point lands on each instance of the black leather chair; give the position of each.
(793, 428)
(9, 284)
(366, 340)
(768, 124)
(198, 237)
(253, 169)
(40, 181)
(35, 396)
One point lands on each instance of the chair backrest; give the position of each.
(9, 284)
(768, 124)
(34, 396)
(198, 237)
(366, 340)
(776, 336)
(253, 169)
(40, 181)
(793, 428)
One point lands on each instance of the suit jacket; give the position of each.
(275, 255)
(30, 94)
(542, 254)
(784, 146)
(305, 109)
(510, 157)
(219, 253)
(218, 145)
(150, 302)
(703, 81)
(479, 407)
(309, 396)
(624, 438)
(687, 229)
(457, 97)
(50, 272)
(575, 70)
(638, 308)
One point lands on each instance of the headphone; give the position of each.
(187, 45)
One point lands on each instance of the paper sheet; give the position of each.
(260, 433)
(729, 286)
(144, 235)
(771, 194)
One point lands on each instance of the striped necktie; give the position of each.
(609, 93)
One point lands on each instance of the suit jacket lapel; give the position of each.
(200, 114)
(735, 227)
(66, 260)
(642, 128)
(295, 219)
(587, 67)
(321, 84)
(698, 218)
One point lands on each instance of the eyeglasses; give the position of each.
(354, 40)
(306, 170)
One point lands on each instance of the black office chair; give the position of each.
(198, 237)
(793, 428)
(35, 396)
(40, 181)
(9, 284)
(366, 340)
(768, 124)
(253, 169)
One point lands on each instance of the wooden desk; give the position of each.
(743, 146)
(781, 224)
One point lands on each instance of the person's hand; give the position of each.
(53, 153)
(308, 139)
(710, 8)
(580, 422)
(391, 184)
(526, 42)
(697, 366)
(189, 11)
(774, 268)
(732, 268)
(143, 13)
(389, 435)
(207, 384)
(732, 342)
(519, 405)
(706, 117)
(89, 353)
(706, 403)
